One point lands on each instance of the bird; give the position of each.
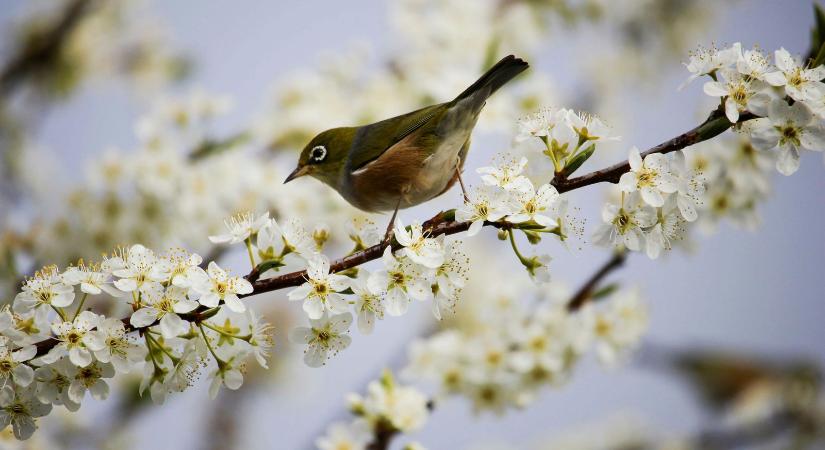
(405, 160)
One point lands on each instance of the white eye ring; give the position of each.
(318, 153)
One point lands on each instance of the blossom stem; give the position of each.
(148, 341)
(549, 152)
(209, 346)
(521, 257)
(226, 333)
(60, 313)
(80, 306)
(163, 349)
(248, 242)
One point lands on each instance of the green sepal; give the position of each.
(532, 236)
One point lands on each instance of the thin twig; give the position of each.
(585, 292)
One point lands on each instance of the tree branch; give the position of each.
(444, 223)
(585, 292)
(713, 126)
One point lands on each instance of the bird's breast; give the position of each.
(406, 175)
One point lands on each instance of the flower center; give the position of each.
(739, 94)
(646, 177)
(18, 409)
(796, 78)
(321, 289)
(73, 337)
(397, 278)
(790, 135)
(164, 304)
(623, 221)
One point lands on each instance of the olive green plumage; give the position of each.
(405, 160)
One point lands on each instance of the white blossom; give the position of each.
(417, 246)
(401, 280)
(652, 177)
(46, 288)
(91, 280)
(790, 128)
(19, 408)
(136, 270)
(117, 349)
(707, 61)
(240, 228)
(14, 363)
(321, 291)
(534, 205)
(324, 336)
(164, 305)
(228, 374)
(369, 304)
(76, 339)
(507, 175)
(218, 285)
(737, 89)
(485, 205)
(90, 378)
(346, 436)
(624, 224)
(796, 79)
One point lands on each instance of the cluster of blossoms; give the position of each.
(737, 177)
(422, 269)
(659, 195)
(662, 193)
(507, 197)
(569, 137)
(176, 305)
(387, 408)
(787, 96)
(503, 363)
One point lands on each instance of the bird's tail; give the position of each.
(498, 75)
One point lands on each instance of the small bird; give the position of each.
(405, 160)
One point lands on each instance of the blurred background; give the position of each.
(150, 121)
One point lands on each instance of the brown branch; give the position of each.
(714, 125)
(585, 292)
(444, 223)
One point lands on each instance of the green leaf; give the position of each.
(269, 264)
(816, 52)
(209, 147)
(605, 291)
(578, 160)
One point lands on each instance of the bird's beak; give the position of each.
(298, 172)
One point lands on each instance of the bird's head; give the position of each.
(325, 156)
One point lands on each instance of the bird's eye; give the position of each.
(318, 153)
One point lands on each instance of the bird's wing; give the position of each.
(373, 140)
